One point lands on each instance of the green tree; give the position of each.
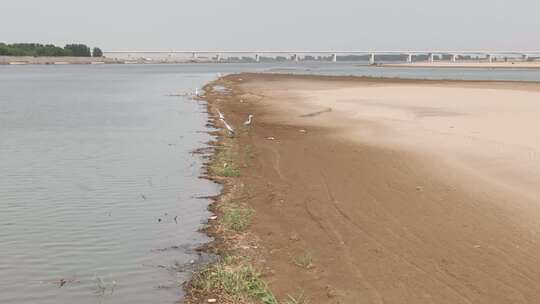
(78, 50)
(31, 49)
(96, 52)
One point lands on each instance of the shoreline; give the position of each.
(227, 239)
(317, 235)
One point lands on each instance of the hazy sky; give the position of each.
(276, 24)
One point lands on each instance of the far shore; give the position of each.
(468, 65)
(364, 190)
(22, 60)
(26, 60)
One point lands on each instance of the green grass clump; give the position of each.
(229, 171)
(236, 217)
(239, 282)
(223, 164)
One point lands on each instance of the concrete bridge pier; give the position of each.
(409, 58)
(489, 57)
(334, 57)
(294, 57)
(218, 57)
(453, 58)
(257, 58)
(372, 59)
(431, 57)
(524, 57)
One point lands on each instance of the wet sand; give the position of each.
(401, 191)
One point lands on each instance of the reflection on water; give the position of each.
(98, 187)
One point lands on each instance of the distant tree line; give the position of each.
(48, 50)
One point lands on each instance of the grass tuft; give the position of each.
(229, 171)
(238, 281)
(304, 261)
(236, 217)
(223, 164)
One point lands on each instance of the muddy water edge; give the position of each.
(238, 274)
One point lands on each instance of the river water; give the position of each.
(100, 199)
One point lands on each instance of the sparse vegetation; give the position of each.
(249, 152)
(236, 217)
(229, 171)
(249, 155)
(304, 260)
(234, 279)
(238, 281)
(223, 164)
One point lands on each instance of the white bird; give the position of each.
(229, 128)
(220, 114)
(248, 122)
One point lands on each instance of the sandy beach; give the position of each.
(398, 191)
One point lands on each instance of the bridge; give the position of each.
(294, 55)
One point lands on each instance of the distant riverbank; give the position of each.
(15, 60)
(469, 64)
(30, 60)
(24, 60)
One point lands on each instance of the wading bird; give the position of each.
(248, 122)
(220, 114)
(228, 127)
